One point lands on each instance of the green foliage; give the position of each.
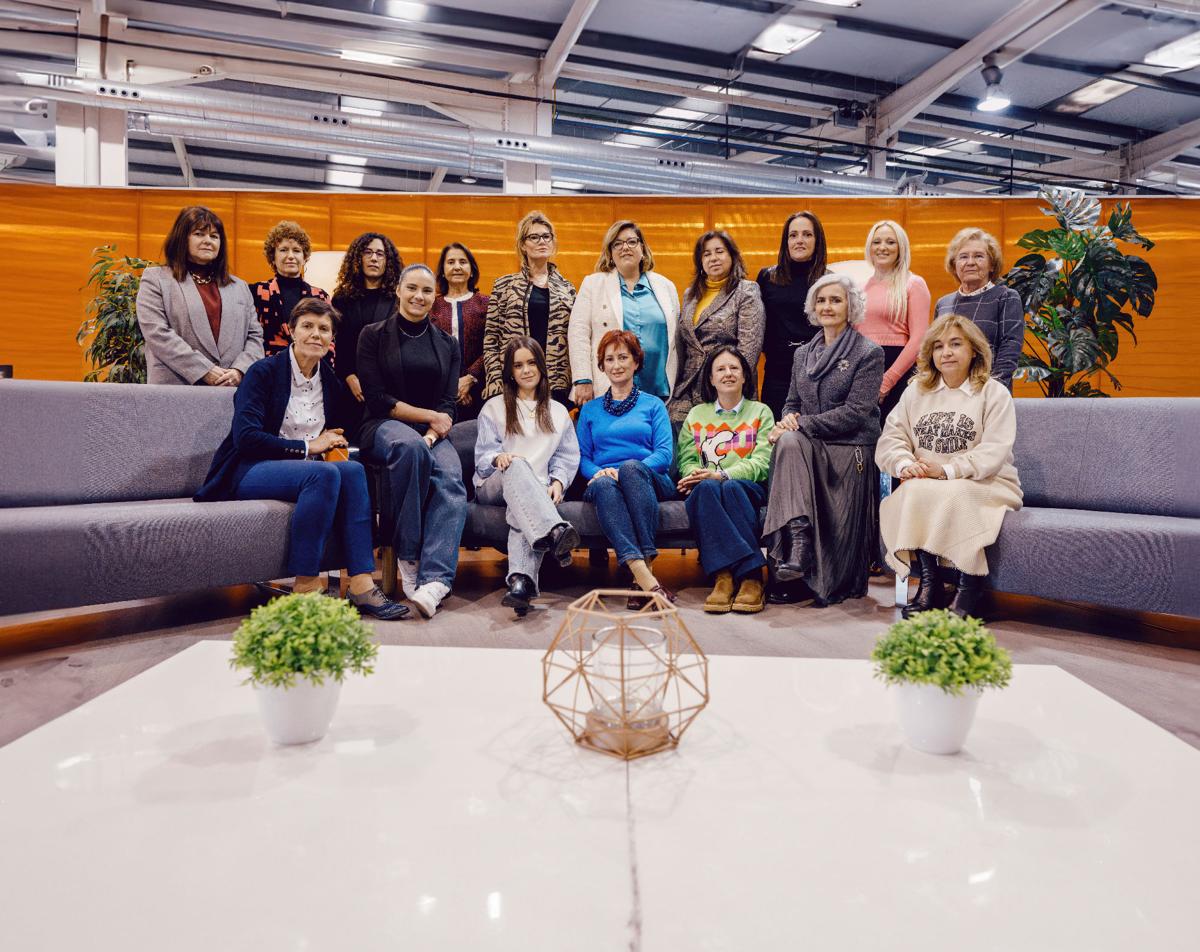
(1079, 290)
(117, 351)
(308, 635)
(938, 647)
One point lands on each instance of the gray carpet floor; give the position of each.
(1150, 665)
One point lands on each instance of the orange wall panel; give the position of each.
(47, 236)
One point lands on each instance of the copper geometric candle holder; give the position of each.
(624, 684)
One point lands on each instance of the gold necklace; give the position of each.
(201, 279)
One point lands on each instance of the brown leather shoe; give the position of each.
(720, 599)
(750, 597)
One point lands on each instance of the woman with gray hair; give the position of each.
(821, 517)
(973, 258)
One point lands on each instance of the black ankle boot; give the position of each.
(799, 546)
(970, 591)
(929, 592)
(521, 590)
(784, 593)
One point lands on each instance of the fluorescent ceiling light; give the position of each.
(1092, 95)
(569, 186)
(405, 9)
(1180, 54)
(839, 3)
(365, 56)
(344, 178)
(782, 37)
(673, 112)
(468, 179)
(348, 159)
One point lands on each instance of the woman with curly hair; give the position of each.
(287, 249)
(365, 294)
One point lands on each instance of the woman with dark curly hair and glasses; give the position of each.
(287, 248)
(365, 294)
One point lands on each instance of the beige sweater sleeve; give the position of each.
(895, 446)
(994, 449)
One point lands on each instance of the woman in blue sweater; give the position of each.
(625, 451)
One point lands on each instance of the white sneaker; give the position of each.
(408, 577)
(429, 596)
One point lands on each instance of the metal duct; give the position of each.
(655, 171)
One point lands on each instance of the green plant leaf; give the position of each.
(1120, 223)
(1075, 349)
(937, 647)
(1032, 277)
(1073, 208)
(109, 333)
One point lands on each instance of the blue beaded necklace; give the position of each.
(620, 408)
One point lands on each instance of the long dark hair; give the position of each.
(737, 270)
(708, 390)
(352, 283)
(443, 285)
(175, 248)
(782, 272)
(512, 422)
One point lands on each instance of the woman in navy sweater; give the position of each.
(625, 451)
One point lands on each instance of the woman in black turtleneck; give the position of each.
(784, 287)
(365, 294)
(287, 249)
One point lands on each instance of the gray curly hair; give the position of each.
(856, 300)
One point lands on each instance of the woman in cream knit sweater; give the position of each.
(953, 425)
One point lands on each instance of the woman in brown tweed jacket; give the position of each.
(719, 307)
(533, 302)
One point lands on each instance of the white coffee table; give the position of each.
(447, 809)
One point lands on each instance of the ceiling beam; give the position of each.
(436, 179)
(562, 44)
(185, 163)
(1161, 148)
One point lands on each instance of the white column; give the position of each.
(528, 118)
(89, 146)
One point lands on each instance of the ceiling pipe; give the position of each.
(671, 173)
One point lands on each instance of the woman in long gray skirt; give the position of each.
(821, 509)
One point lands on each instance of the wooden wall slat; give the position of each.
(47, 236)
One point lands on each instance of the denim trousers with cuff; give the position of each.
(724, 517)
(529, 513)
(627, 508)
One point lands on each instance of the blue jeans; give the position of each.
(330, 498)
(428, 498)
(627, 508)
(724, 517)
(529, 513)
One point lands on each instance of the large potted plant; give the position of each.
(1079, 290)
(296, 651)
(115, 348)
(939, 665)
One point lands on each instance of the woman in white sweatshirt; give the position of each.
(950, 440)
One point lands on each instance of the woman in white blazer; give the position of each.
(624, 294)
(198, 320)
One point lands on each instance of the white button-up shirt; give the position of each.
(304, 418)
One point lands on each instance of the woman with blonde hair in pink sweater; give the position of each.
(897, 308)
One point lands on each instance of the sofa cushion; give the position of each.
(486, 524)
(1117, 455)
(92, 442)
(1124, 560)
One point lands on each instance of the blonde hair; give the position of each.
(897, 281)
(927, 375)
(605, 261)
(523, 226)
(995, 257)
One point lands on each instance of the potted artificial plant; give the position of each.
(939, 664)
(296, 650)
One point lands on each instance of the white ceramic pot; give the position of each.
(300, 714)
(932, 720)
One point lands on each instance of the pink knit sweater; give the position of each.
(877, 326)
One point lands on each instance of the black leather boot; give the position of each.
(521, 590)
(929, 592)
(799, 545)
(784, 593)
(970, 592)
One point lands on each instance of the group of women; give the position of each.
(666, 393)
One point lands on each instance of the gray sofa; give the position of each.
(95, 488)
(1112, 505)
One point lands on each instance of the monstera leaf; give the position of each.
(1072, 208)
(1120, 224)
(1068, 245)
(1075, 349)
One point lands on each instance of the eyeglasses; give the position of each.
(969, 256)
(621, 243)
(543, 238)
(374, 254)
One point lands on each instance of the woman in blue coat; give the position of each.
(286, 416)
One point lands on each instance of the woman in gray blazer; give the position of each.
(198, 319)
(719, 307)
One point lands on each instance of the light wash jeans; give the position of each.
(530, 514)
(428, 497)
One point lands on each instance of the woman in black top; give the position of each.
(287, 248)
(365, 294)
(410, 370)
(784, 287)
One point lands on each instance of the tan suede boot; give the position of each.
(720, 599)
(751, 597)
